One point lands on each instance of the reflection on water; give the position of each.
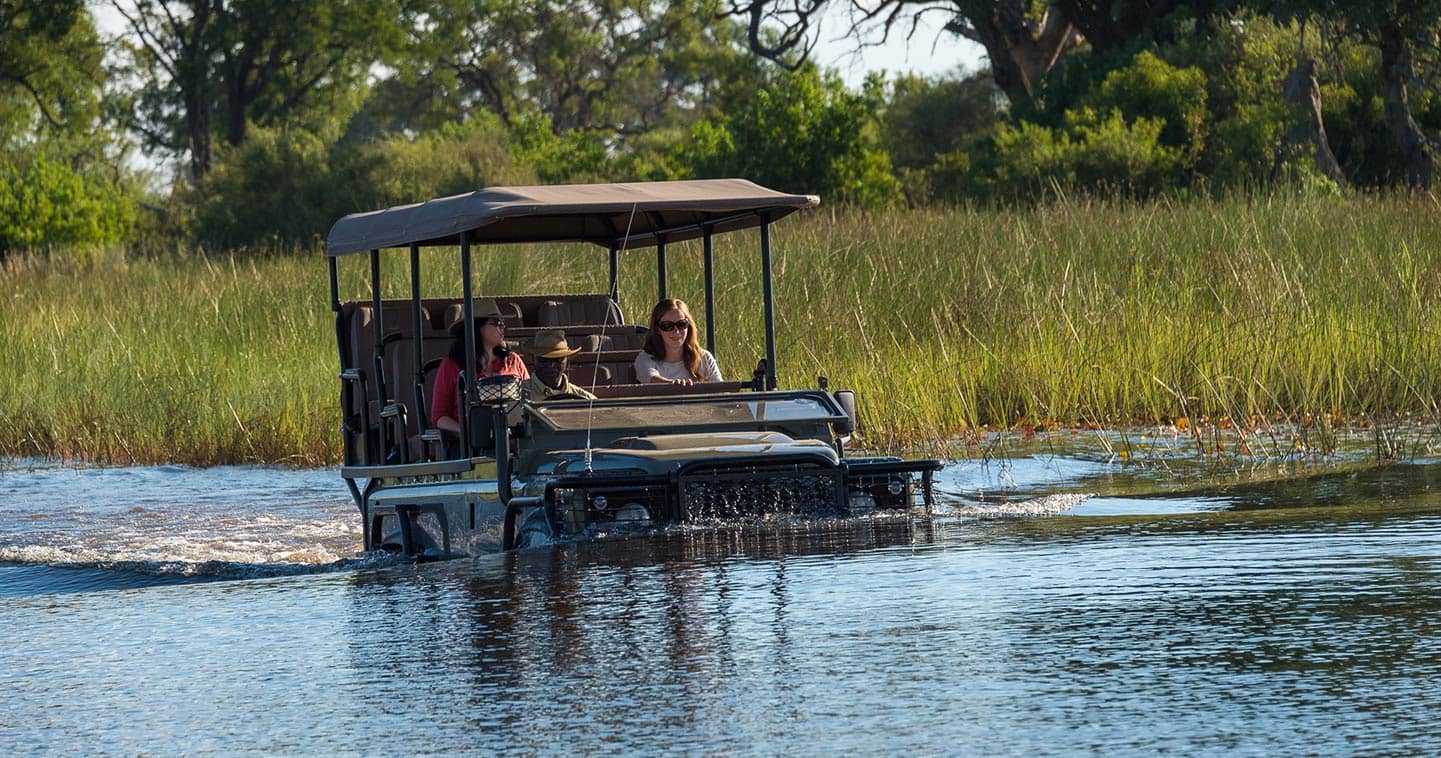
(1236, 614)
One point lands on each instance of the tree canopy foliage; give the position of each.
(58, 183)
(275, 117)
(212, 68)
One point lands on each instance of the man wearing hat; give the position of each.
(491, 359)
(552, 354)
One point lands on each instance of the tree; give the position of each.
(211, 68)
(1023, 39)
(804, 132)
(1401, 23)
(1398, 29)
(60, 181)
(932, 126)
(50, 72)
(621, 68)
(1303, 91)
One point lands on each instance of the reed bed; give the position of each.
(1246, 313)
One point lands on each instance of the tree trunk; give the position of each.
(195, 89)
(1303, 91)
(192, 76)
(1398, 69)
(1020, 51)
(235, 104)
(1008, 74)
(197, 126)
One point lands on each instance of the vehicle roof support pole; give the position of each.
(375, 298)
(769, 302)
(615, 273)
(419, 332)
(660, 267)
(708, 260)
(334, 286)
(467, 313)
(378, 362)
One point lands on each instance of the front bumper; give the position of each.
(737, 489)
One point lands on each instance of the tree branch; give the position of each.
(39, 101)
(793, 33)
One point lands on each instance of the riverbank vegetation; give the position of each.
(1164, 212)
(1247, 312)
(180, 124)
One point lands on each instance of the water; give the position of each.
(1056, 602)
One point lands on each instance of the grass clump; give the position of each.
(1240, 312)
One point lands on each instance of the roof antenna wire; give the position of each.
(590, 406)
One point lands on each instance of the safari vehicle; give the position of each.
(531, 470)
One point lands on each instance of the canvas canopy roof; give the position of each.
(598, 213)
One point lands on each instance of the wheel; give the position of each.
(534, 530)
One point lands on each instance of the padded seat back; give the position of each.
(614, 341)
(588, 375)
(577, 310)
(595, 306)
(401, 371)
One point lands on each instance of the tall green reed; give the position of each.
(1245, 312)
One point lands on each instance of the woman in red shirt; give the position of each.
(491, 359)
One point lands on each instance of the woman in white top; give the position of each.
(671, 352)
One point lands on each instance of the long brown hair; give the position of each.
(655, 345)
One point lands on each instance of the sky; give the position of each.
(930, 51)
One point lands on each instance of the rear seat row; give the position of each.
(591, 322)
(521, 312)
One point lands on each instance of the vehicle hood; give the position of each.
(663, 452)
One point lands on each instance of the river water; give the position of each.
(1058, 600)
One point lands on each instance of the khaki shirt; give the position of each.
(539, 391)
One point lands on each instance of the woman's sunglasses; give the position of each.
(670, 326)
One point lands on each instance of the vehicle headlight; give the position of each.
(632, 512)
(862, 503)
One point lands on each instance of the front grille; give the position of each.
(578, 507)
(721, 494)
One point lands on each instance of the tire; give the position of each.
(534, 531)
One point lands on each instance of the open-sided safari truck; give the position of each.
(530, 470)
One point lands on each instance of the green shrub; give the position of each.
(1090, 152)
(449, 161)
(574, 156)
(803, 133)
(277, 186)
(931, 125)
(46, 204)
(1150, 88)
(1030, 158)
(289, 186)
(1242, 152)
(1110, 154)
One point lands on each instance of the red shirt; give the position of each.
(443, 400)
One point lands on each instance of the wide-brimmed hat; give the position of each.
(482, 309)
(551, 344)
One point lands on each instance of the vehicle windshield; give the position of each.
(663, 414)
